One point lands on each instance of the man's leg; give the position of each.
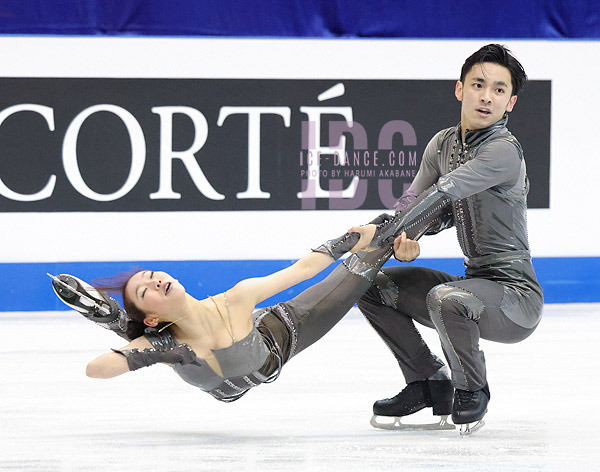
(462, 312)
(396, 300)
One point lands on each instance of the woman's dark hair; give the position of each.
(116, 284)
(501, 55)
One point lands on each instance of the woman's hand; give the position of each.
(366, 236)
(406, 250)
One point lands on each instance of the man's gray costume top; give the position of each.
(483, 185)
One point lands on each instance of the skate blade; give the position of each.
(397, 425)
(77, 290)
(469, 428)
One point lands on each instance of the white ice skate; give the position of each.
(95, 305)
(469, 428)
(396, 424)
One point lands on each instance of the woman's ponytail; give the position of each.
(135, 329)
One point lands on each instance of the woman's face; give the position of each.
(155, 293)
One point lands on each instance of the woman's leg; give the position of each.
(319, 308)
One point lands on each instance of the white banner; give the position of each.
(567, 228)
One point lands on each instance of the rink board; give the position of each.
(27, 288)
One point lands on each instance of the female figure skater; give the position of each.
(218, 344)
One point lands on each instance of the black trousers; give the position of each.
(462, 310)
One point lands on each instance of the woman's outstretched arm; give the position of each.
(112, 364)
(254, 290)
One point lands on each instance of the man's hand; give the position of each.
(405, 250)
(366, 235)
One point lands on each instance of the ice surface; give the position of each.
(543, 414)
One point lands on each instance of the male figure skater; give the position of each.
(475, 169)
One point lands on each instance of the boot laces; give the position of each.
(465, 397)
(406, 392)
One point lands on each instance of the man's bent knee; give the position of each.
(446, 299)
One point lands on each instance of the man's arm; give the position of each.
(498, 163)
(428, 174)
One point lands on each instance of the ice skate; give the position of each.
(416, 396)
(469, 409)
(96, 306)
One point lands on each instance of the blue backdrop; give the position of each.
(306, 18)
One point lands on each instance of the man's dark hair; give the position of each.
(501, 55)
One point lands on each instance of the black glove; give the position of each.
(336, 248)
(181, 354)
(381, 219)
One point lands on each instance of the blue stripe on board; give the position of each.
(25, 286)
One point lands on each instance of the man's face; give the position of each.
(485, 95)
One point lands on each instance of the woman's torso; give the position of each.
(208, 371)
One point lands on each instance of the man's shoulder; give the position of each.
(504, 140)
(445, 133)
(443, 136)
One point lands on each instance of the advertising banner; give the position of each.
(136, 145)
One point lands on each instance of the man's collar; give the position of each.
(476, 136)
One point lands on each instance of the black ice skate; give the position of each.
(436, 394)
(469, 409)
(96, 306)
